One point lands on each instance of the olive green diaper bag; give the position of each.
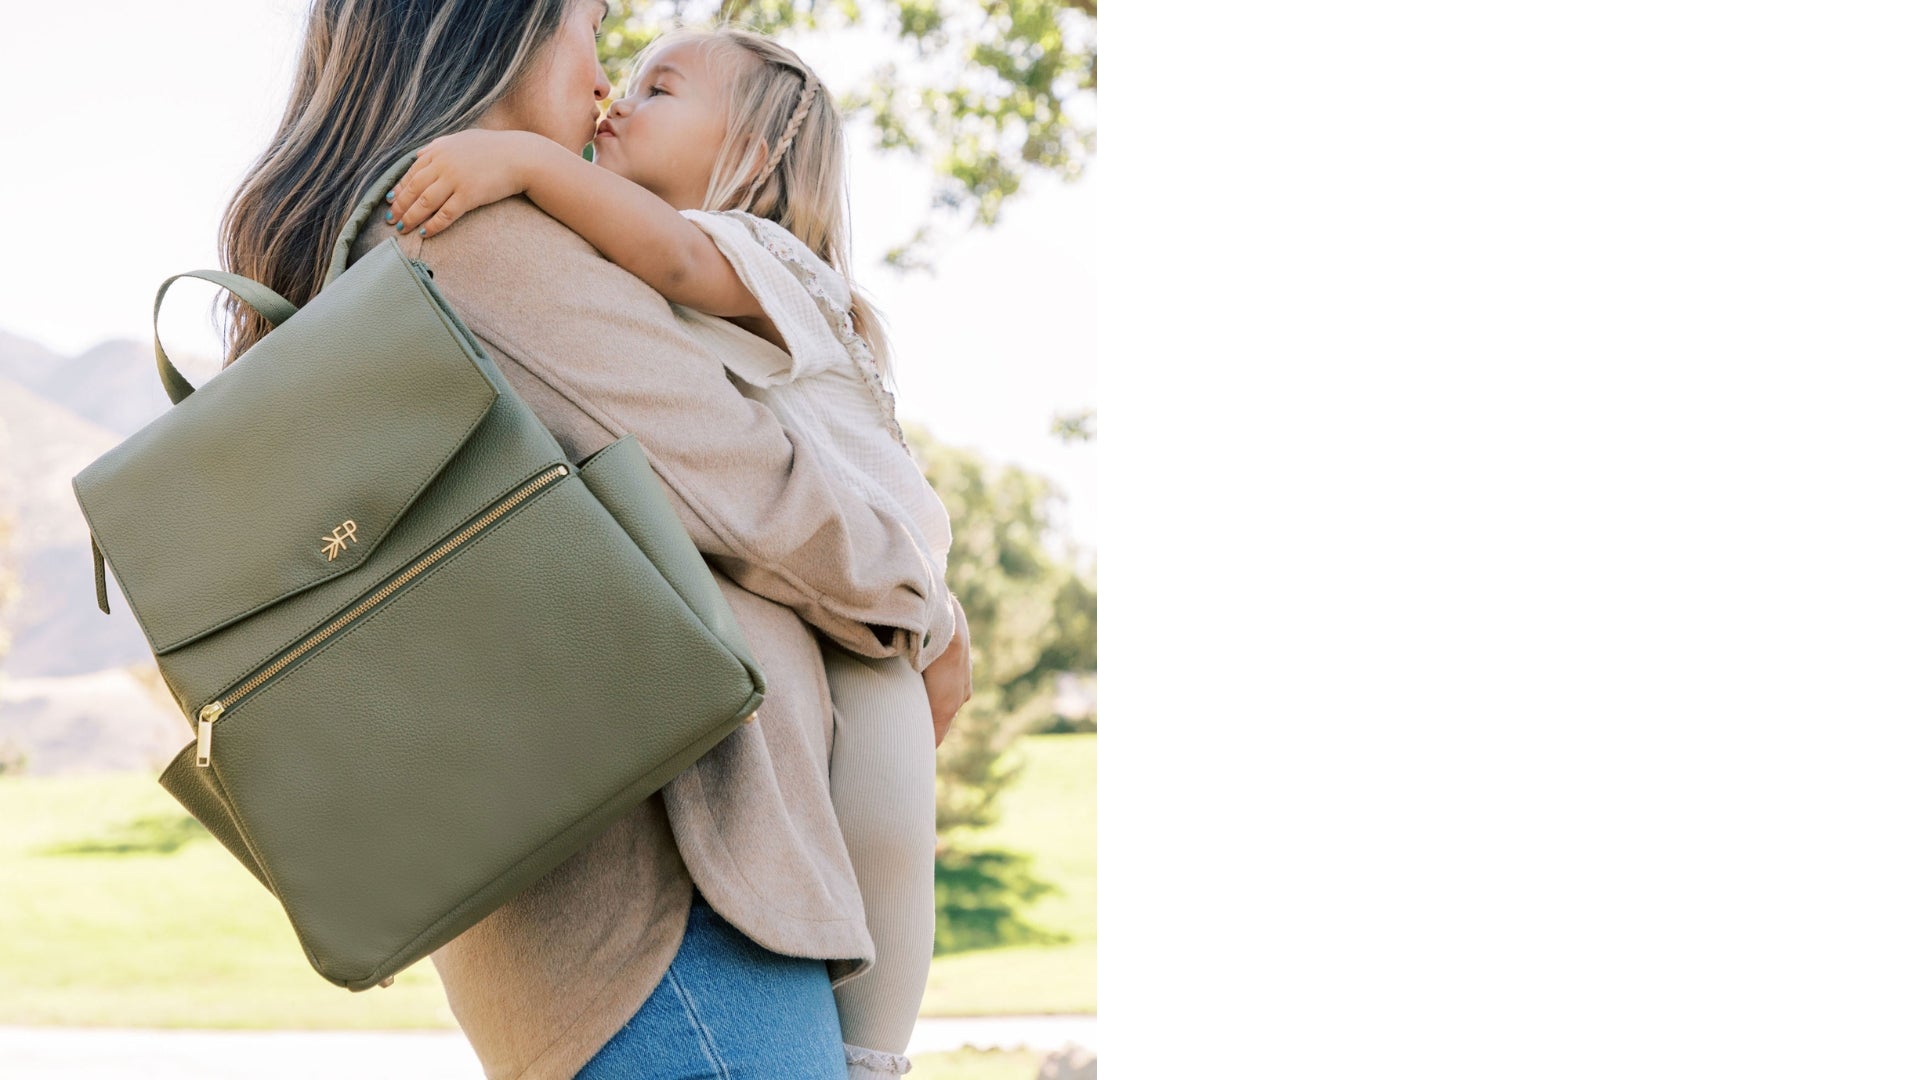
(426, 656)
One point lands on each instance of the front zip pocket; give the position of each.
(218, 707)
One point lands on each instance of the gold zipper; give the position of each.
(212, 710)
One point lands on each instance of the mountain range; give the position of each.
(78, 689)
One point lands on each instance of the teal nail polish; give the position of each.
(401, 225)
(389, 196)
(389, 215)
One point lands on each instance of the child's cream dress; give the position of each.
(827, 390)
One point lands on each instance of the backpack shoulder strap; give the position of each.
(375, 196)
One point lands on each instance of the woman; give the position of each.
(701, 934)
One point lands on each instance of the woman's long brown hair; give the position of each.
(374, 79)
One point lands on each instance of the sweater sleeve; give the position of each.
(598, 354)
(812, 346)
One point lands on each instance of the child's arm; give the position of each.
(630, 225)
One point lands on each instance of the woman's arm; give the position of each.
(636, 229)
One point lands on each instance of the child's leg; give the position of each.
(881, 777)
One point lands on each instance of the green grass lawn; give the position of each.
(118, 909)
(1048, 813)
(159, 926)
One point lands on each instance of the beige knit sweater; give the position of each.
(542, 983)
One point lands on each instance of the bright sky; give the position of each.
(127, 127)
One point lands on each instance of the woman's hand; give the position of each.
(949, 679)
(459, 172)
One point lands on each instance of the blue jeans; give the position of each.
(728, 1009)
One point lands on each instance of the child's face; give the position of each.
(666, 134)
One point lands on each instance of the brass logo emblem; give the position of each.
(341, 534)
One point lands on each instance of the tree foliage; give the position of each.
(996, 90)
(1075, 427)
(1028, 614)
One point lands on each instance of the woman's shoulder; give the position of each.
(513, 255)
(508, 233)
(514, 230)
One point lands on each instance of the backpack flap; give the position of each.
(290, 466)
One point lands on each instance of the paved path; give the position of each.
(171, 1054)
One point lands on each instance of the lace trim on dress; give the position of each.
(788, 250)
(878, 1060)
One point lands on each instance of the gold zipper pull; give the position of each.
(208, 715)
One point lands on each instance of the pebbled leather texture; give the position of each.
(619, 476)
(225, 503)
(475, 725)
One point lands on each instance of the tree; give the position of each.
(999, 89)
(1075, 643)
(1074, 427)
(1028, 615)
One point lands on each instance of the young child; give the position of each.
(717, 179)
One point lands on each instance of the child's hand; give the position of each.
(456, 173)
(949, 679)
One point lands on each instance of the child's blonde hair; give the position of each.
(778, 107)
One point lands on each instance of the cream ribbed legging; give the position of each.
(881, 776)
